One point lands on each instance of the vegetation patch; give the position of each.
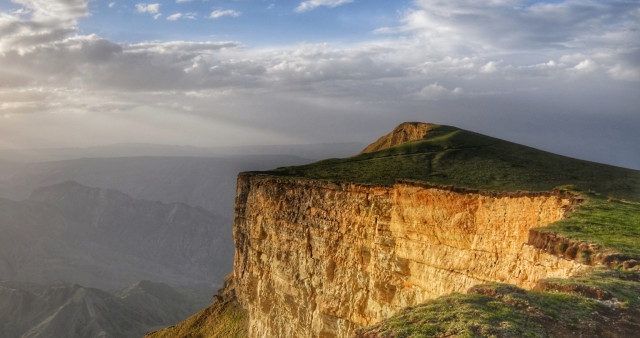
(610, 223)
(621, 287)
(221, 320)
(501, 310)
(452, 156)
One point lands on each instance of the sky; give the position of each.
(562, 76)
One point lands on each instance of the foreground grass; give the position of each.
(453, 156)
(612, 224)
(502, 310)
(220, 320)
(621, 285)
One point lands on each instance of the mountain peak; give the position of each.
(405, 132)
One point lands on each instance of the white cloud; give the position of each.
(39, 22)
(435, 92)
(179, 1)
(313, 4)
(220, 13)
(148, 8)
(586, 65)
(111, 4)
(174, 17)
(489, 67)
(55, 9)
(461, 25)
(625, 73)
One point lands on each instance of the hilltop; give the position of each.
(448, 155)
(405, 132)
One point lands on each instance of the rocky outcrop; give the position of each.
(405, 132)
(322, 259)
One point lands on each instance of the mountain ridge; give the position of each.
(72, 310)
(104, 238)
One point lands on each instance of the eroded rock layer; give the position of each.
(322, 259)
(405, 132)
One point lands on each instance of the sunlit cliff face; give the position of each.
(321, 259)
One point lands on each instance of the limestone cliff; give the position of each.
(322, 259)
(326, 248)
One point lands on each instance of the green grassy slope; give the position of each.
(220, 320)
(452, 156)
(603, 303)
(612, 224)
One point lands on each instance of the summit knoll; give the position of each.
(448, 155)
(408, 131)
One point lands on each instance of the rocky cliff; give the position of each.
(329, 247)
(322, 259)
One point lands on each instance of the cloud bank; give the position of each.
(557, 76)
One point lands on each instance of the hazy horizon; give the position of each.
(562, 76)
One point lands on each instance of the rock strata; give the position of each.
(322, 259)
(405, 132)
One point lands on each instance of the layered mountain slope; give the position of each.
(224, 318)
(104, 238)
(65, 310)
(200, 182)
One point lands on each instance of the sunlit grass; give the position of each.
(502, 310)
(611, 223)
(221, 320)
(452, 156)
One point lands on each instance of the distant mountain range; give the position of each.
(71, 310)
(310, 151)
(107, 239)
(160, 218)
(197, 181)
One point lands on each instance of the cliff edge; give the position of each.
(322, 259)
(438, 231)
